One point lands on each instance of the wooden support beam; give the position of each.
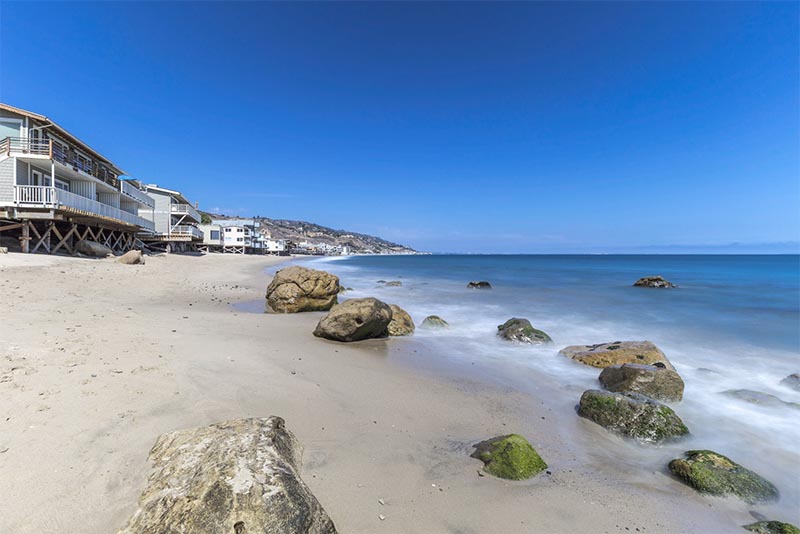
(24, 240)
(11, 227)
(63, 239)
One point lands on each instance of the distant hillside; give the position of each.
(300, 231)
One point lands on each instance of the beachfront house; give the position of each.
(56, 190)
(175, 221)
(241, 235)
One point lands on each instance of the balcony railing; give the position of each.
(186, 209)
(26, 145)
(137, 195)
(47, 197)
(186, 230)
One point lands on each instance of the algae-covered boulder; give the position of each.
(297, 289)
(654, 281)
(792, 381)
(772, 527)
(434, 321)
(631, 415)
(522, 331)
(715, 474)
(355, 319)
(658, 383)
(617, 353)
(481, 284)
(510, 457)
(132, 257)
(236, 477)
(93, 249)
(401, 324)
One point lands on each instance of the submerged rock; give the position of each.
(132, 257)
(772, 527)
(93, 249)
(617, 353)
(759, 398)
(394, 283)
(653, 281)
(434, 321)
(401, 324)
(238, 477)
(792, 381)
(510, 457)
(658, 383)
(631, 415)
(522, 331)
(355, 319)
(714, 474)
(297, 289)
(479, 285)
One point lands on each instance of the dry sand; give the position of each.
(97, 359)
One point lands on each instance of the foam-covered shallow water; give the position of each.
(733, 323)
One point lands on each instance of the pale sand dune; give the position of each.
(97, 359)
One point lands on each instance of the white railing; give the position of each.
(31, 195)
(186, 209)
(137, 195)
(186, 229)
(26, 145)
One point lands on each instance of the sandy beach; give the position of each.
(99, 359)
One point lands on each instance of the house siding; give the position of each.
(7, 180)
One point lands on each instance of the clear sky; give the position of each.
(476, 127)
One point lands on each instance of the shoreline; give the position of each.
(94, 376)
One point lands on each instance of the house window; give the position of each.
(214, 235)
(61, 184)
(239, 239)
(227, 230)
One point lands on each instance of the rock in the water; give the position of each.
(297, 289)
(715, 474)
(658, 383)
(632, 415)
(522, 331)
(394, 283)
(479, 285)
(93, 249)
(356, 319)
(238, 477)
(401, 324)
(434, 321)
(653, 281)
(617, 353)
(759, 398)
(772, 527)
(132, 257)
(510, 457)
(792, 381)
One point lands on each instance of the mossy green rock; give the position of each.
(510, 457)
(632, 415)
(772, 527)
(521, 331)
(715, 474)
(434, 321)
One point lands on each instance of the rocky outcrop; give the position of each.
(658, 383)
(772, 527)
(510, 457)
(714, 474)
(132, 257)
(654, 281)
(759, 398)
(434, 321)
(479, 285)
(238, 477)
(631, 415)
(93, 249)
(394, 283)
(521, 330)
(401, 324)
(298, 289)
(617, 353)
(355, 319)
(792, 381)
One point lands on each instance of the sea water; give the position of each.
(733, 323)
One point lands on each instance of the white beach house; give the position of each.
(174, 218)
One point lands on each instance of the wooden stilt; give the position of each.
(24, 241)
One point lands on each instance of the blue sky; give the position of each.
(477, 127)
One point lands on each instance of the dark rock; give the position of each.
(297, 289)
(653, 281)
(401, 324)
(355, 319)
(792, 381)
(511, 457)
(658, 383)
(631, 415)
(434, 321)
(238, 477)
(772, 527)
(522, 331)
(714, 474)
(479, 285)
(617, 353)
(93, 249)
(759, 398)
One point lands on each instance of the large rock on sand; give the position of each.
(297, 289)
(654, 281)
(715, 474)
(132, 257)
(510, 457)
(631, 415)
(521, 331)
(356, 319)
(658, 383)
(93, 249)
(401, 324)
(617, 353)
(237, 477)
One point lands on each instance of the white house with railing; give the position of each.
(174, 218)
(55, 189)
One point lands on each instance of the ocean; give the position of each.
(733, 323)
